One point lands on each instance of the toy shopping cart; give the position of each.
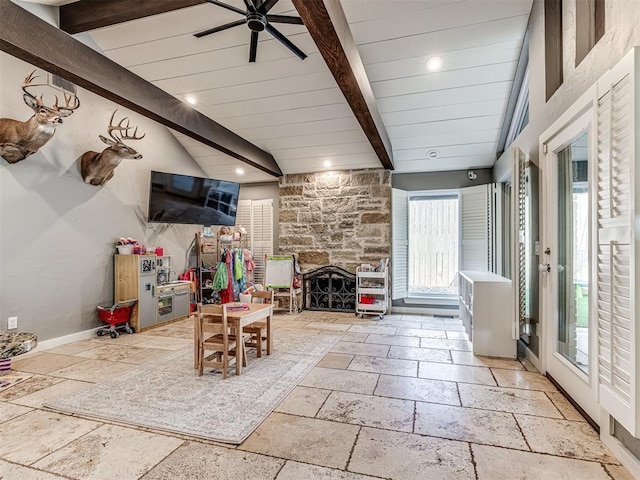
(117, 316)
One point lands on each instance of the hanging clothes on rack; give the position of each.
(226, 295)
(249, 264)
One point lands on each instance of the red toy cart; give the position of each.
(117, 316)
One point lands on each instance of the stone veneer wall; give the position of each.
(336, 218)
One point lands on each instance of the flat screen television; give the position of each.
(177, 198)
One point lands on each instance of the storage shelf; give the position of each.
(375, 285)
(486, 312)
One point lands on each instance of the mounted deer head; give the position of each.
(97, 168)
(18, 139)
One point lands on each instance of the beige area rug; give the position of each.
(169, 396)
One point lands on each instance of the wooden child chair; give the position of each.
(215, 342)
(258, 330)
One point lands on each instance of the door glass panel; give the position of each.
(573, 253)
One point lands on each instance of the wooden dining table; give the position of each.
(237, 319)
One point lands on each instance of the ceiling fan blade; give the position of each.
(250, 5)
(219, 29)
(253, 50)
(228, 7)
(284, 19)
(282, 39)
(267, 5)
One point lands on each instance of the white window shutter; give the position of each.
(400, 243)
(476, 227)
(617, 337)
(261, 235)
(243, 216)
(519, 228)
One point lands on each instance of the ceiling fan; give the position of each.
(258, 19)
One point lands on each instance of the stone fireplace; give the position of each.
(340, 218)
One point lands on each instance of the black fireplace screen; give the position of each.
(329, 288)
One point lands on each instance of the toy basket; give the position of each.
(117, 316)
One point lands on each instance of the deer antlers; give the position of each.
(121, 127)
(68, 98)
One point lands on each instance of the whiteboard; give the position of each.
(278, 271)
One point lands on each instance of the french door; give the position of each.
(566, 263)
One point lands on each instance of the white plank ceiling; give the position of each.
(294, 110)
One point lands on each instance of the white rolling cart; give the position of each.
(372, 290)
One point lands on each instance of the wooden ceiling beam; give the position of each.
(330, 30)
(91, 14)
(27, 37)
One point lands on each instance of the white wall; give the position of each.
(57, 234)
(622, 32)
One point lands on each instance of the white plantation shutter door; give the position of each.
(475, 228)
(243, 216)
(518, 226)
(615, 301)
(256, 216)
(261, 235)
(400, 243)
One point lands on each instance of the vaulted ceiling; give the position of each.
(293, 109)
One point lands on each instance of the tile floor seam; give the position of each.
(546, 454)
(323, 402)
(518, 413)
(284, 464)
(162, 459)
(37, 469)
(494, 377)
(68, 443)
(32, 409)
(473, 460)
(561, 412)
(521, 432)
(353, 447)
(500, 386)
(458, 392)
(606, 470)
(421, 401)
(166, 433)
(415, 415)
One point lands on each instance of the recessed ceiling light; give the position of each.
(327, 163)
(434, 63)
(240, 171)
(433, 154)
(190, 99)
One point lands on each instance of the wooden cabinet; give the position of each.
(486, 311)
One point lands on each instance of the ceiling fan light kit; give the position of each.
(258, 20)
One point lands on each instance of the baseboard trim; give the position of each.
(580, 410)
(59, 341)
(442, 312)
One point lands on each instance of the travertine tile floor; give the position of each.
(398, 398)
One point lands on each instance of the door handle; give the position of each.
(544, 267)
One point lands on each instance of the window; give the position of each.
(589, 26)
(433, 244)
(553, 46)
(520, 117)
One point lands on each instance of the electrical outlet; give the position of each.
(12, 323)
